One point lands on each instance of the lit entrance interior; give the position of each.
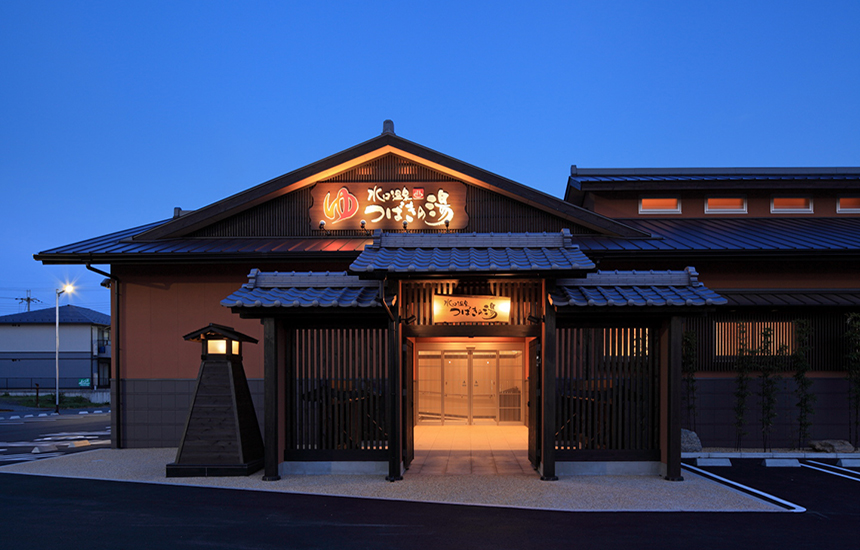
(469, 385)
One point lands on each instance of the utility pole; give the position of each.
(28, 299)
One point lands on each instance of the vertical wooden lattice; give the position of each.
(339, 390)
(607, 389)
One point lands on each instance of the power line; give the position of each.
(28, 300)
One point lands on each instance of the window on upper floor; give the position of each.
(659, 205)
(791, 205)
(726, 205)
(848, 205)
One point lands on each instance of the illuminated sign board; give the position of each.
(388, 205)
(471, 309)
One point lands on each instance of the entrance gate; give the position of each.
(461, 384)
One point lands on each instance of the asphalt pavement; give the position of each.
(140, 515)
(33, 434)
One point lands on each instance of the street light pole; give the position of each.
(67, 288)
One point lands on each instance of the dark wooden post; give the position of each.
(673, 385)
(395, 427)
(548, 383)
(270, 398)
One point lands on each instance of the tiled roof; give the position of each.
(307, 289)
(793, 297)
(471, 253)
(636, 288)
(68, 315)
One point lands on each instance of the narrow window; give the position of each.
(848, 205)
(726, 205)
(791, 205)
(659, 205)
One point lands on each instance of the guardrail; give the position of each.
(48, 384)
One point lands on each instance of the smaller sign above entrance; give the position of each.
(471, 309)
(431, 205)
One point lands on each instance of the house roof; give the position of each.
(635, 179)
(69, 315)
(792, 297)
(736, 235)
(471, 253)
(306, 289)
(672, 236)
(386, 143)
(607, 288)
(636, 288)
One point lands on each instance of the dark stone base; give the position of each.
(213, 470)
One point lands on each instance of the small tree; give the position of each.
(853, 364)
(768, 365)
(688, 370)
(802, 382)
(743, 365)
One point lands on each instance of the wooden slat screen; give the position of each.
(525, 297)
(607, 389)
(339, 383)
(717, 337)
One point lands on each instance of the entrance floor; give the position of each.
(462, 450)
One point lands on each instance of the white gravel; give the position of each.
(570, 493)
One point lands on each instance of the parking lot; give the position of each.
(821, 487)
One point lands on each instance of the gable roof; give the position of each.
(69, 315)
(386, 143)
(408, 254)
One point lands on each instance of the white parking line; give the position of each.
(852, 478)
(749, 490)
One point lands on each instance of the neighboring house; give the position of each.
(28, 349)
(344, 268)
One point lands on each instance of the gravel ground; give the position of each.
(570, 493)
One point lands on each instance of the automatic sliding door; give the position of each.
(485, 403)
(456, 379)
(480, 385)
(429, 386)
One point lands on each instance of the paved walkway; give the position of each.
(570, 493)
(464, 450)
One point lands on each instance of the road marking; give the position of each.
(852, 478)
(790, 506)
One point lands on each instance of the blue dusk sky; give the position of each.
(115, 112)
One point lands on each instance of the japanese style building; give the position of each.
(391, 287)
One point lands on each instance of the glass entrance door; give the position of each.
(470, 384)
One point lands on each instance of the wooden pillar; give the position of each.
(395, 400)
(673, 397)
(270, 399)
(548, 383)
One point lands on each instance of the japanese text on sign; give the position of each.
(389, 205)
(471, 309)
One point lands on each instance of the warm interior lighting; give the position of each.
(659, 204)
(220, 347)
(728, 336)
(848, 204)
(791, 204)
(726, 204)
(504, 307)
